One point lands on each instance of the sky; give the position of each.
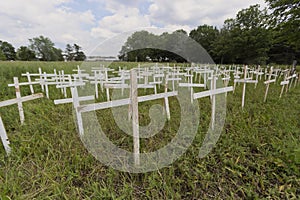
(90, 22)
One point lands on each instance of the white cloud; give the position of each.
(119, 22)
(196, 12)
(73, 21)
(28, 19)
(174, 27)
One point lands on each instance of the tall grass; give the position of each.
(257, 155)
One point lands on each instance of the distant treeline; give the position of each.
(254, 36)
(40, 48)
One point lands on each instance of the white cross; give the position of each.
(245, 81)
(296, 82)
(190, 84)
(213, 92)
(132, 101)
(18, 101)
(267, 83)
(284, 83)
(4, 138)
(292, 78)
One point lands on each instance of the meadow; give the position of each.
(257, 155)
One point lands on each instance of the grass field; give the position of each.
(257, 155)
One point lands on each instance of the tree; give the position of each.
(74, 53)
(286, 20)
(69, 53)
(223, 47)
(206, 36)
(139, 46)
(25, 54)
(8, 50)
(285, 28)
(176, 46)
(145, 46)
(79, 55)
(252, 41)
(58, 54)
(246, 38)
(2, 56)
(44, 49)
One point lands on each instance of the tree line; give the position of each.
(254, 36)
(41, 48)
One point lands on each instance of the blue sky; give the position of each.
(90, 22)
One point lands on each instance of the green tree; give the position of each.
(285, 28)
(246, 38)
(58, 54)
(74, 53)
(223, 46)
(8, 50)
(2, 56)
(145, 46)
(79, 55)
(44, 49)
(69, 52)
(25, 54)
(139, 46)
(286, 20)
(176, 46)
(206, 36)
(253, 40)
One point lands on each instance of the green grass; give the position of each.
(257, 155)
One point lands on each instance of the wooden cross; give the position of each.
(284, 83)
(4, 138)
(292, 78)
(213, 92)
(190, 85)
(132, 101)
(296, 82)
(267, 83)
(18, 101)
(245, 81)
(172, 76)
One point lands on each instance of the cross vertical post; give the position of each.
(268, 84)
(167, 108)
(18, 95)
(76, 104)
(244, 86)
(29, 81)
(135, 116)
(4, 137)
(213, 102)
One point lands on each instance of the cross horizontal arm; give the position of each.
(22, 99)
(70, 100)
(122, 102)
(212, 92)
(245, 81)
(269, 81)
(284, 82)
(20, 84)
(191, 85)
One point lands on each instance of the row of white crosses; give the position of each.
(268, 82)
(19, 101)
(288, 81)
(158, 74)
(174, 74)
(245, 80)
(134, 99)
(212, 92)
(44, 82)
